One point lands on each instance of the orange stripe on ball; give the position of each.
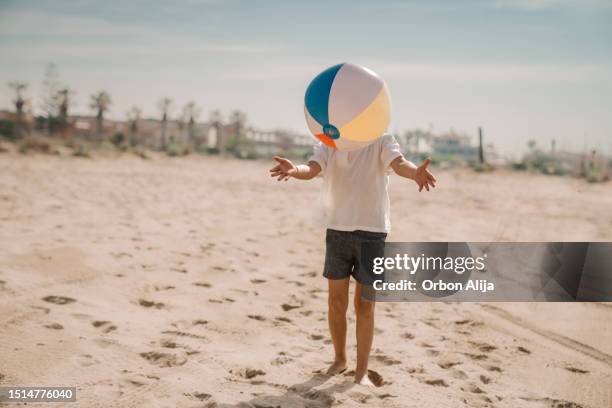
(326, 140)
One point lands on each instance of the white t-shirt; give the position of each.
(355, 185)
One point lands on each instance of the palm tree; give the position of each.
(191, 112)
(164, 105)
(100, 102)
(134, 115)
(19, 101)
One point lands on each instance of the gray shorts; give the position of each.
(343, 253)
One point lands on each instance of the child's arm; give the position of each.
(421, 175)
(286, 169)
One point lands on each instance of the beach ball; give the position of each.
(347, 107)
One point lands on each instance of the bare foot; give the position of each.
(337, 367)
(373, 379)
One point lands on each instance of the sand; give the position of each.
(195, 282)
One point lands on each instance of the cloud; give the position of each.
(496, 72)
(32, 35)
(534, 5)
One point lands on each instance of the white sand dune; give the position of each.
(195, 282)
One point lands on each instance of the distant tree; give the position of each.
(164, 106)
(215, 120)
(19, 126)
(531, 144)
(50, 101)
(238, 124)
(100, 102)
(480, 146)
(134, 115)
(19, 101)
(64, 97)
(191, 112)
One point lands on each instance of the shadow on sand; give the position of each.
(302, 395)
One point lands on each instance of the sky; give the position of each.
(521, 69)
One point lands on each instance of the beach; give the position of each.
(196, 282)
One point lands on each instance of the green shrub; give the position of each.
(118, 139)
(36, 144)
(177, 150)
(482, 167)
(80, 150)
(596, 176)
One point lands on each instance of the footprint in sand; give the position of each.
(374, 377)
(554, 403)
(159, 288)
(85, 360)
(408, 336)
(386, 360)
(415, 370)
(163, 360)
(308, 274)
(247, 372)
(202, 397)
(185, 334)
(54, 326)
(258, 281)
(316, 337)
(257, 317)
(523, 350)
(448, 363)
(430, 322)
(168, 344)
(468, 322)
(281, 360)
(484, 379)
(104, 325)
(150, 303)
(200, 322)
(173, 345)
(436, 382)
(474, 389)
(287, 307)
(58, 300)
(458, 374)
(576, 370)
(483, 347)
(283, 319)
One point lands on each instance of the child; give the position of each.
(358, 211)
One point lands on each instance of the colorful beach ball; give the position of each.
(347, 107)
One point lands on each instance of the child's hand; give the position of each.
(423, 176)
(284, 169)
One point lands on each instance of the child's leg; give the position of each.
(337, 306)
(364, 309)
